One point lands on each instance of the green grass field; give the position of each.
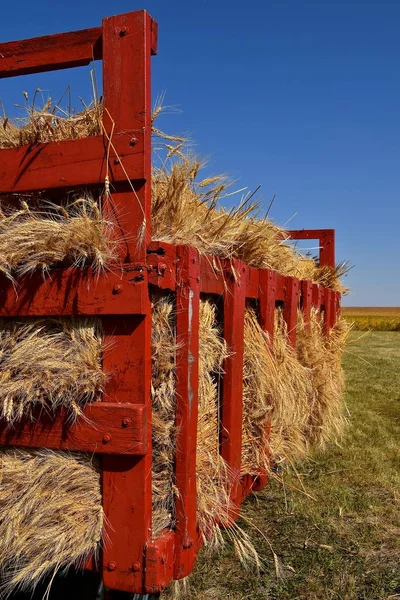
(342, 540)
(373, 318)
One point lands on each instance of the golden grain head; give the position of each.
(48, 364)
(51, 514)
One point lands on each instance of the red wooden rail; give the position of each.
(119, 428)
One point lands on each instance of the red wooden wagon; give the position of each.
(119, 428)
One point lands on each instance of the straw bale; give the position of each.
(50, 123)
(47, 364)
(212, 476)
(277, 388)
(42, 236)
(163, 415)
(322, 356)
(51, 515)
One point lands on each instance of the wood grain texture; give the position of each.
(71, 163)
(50, 53)
(104, 428)
(68, 292)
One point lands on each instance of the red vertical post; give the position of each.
(327, 248)
(338, 296)
(267, 299)
(232, 389)
(317, 298)
(290, 307)
(332, 319)
(306, 301)
(187, 393)
(327, 310)
(267, 302)
(127, 44)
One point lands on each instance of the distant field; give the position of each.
(375, 318)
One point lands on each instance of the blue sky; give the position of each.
(300, 97)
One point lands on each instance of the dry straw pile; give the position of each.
(50, 503)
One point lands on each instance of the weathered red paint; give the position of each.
(236, 277)
(160, 559)
(187, 393)
(127, 47)
(67, 292)
(104, 428)
(306, 301)
(291, 304)
(267, 301)
(50, 53)
(53, 165)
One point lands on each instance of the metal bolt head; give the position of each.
(126, 421)
(112, 565)
(136, 566)
(117, 289)
(133, 141)
(106, 438)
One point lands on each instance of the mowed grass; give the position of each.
(373, 318)
(342, 540)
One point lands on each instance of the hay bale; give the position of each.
(322, 356)
(43, 235)
(50, 124)
(50, 514)
(49, 364)
(277, 388)
(212, 476)
(163, 389)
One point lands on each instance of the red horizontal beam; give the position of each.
(71, 163)
(50, 53)
(105, 428)
(68, 292)
(59, 51)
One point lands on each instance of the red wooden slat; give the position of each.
(280, 283)
(291, 306)
(267, 295)
(54, 165)
(50, 53)
(187, 380)
(332, 319)
(127, 496)
(67, 292)
(338, 305)
(327, 310)
(232, 390)
(104, 429)
(317, 297)
(306, 301)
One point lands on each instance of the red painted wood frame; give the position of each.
(119, 428)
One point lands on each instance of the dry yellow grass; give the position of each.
(163, 402)
(50, 123)
(49, 364)
(277, 388)
(40, 237)
(322, 356)
(50, 514)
